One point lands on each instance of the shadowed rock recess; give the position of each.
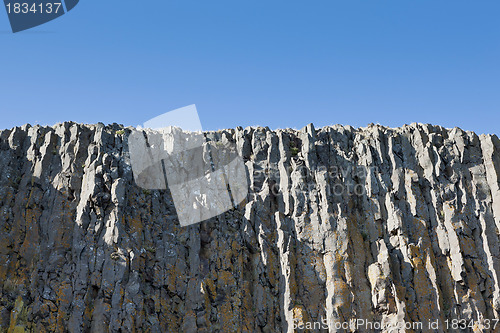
(380, 224)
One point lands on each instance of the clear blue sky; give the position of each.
(275, 63)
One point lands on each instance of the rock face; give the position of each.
(379, 225)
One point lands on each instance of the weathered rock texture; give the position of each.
(385, 225)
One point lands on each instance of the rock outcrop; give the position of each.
(341, 227)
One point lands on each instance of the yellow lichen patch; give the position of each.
(300, 315)
(135, 224)
(247, 312)
(473, 280)
(31, 237)
(342, 292)
(52, 322)
(420, 228)
(338, 260)
(294, 289)
(273, 268)
(422, 285)
(228, 317)
(174, 276)
(14, 314)
(87, 315)
(468, 246)
(235, 246)
(62, 318)
(19, 329)
(417, 262)
(208, 286)
(225, 278)
(227, 254)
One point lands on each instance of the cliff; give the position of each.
(374, 224)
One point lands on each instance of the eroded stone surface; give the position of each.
(386, 225)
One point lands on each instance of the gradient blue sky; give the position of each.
(272, 63)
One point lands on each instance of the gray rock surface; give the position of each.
(384, 225)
